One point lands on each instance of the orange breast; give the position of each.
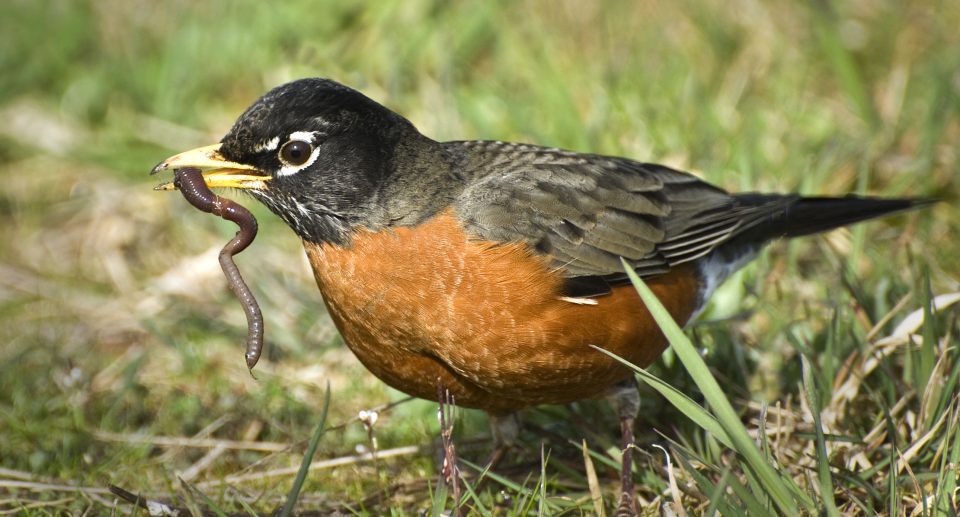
(426, 303)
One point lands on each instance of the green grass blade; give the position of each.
(946, 501)
(506, 482)
(949, 387)
(530, 495)
(749, 499)
(247, 508)
(823, 463)
(471, 495)
(211, 505)
(307, 458)
(716, 496)
(685, 404)
(842, 62)
(603, 459)
(928, 347)
(542, 504)
(438, 500)
(893, 498)
(719, 501)
(774, 483)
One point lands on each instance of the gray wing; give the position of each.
(587, 211)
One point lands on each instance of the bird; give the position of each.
(494, 268)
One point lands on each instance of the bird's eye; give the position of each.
(295, 152)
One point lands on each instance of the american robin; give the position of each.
(493, 266)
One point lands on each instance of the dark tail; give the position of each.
(794, 216)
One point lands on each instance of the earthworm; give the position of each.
(195, 191)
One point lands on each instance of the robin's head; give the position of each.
(314, 151)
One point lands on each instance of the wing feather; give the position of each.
(587, 211)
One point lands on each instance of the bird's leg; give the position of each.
(506, 431)
(626, 400)
(449, 471)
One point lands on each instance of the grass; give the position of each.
(121, 361)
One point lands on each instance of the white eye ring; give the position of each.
(293, 153)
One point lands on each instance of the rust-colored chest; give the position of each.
(418, 305)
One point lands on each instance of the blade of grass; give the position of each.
(753, 504)
(778, 486)
(211, 505)
(471, 494)
(438, 500)
(190, 498)
(307, 458)
(762, 432)
(754, 484)
(247, 508)
(525, 505)
(719, 500)
(949, 387)
(542, 504)
(823, 463)
(928, 348)
(602, 458)
(685, 404)
(841, 61)
(496, 477)
(523, 490)
(596, 497)
(947, 477)
(893, 500)
(716, 495)
(674, 490)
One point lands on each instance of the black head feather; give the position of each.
(355, 147)
(301, 105)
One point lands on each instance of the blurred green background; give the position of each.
(115, 322)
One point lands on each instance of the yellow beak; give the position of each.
(217, 171)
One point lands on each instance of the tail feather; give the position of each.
(808, 215)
